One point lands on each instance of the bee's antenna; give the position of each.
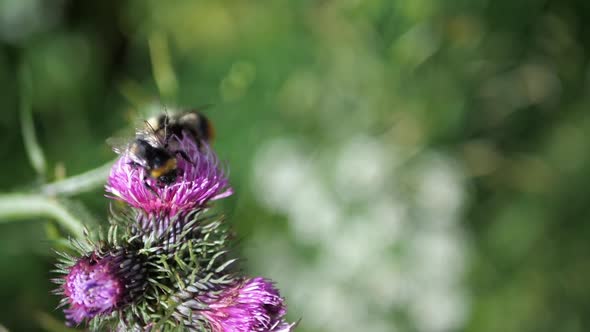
(166, 120)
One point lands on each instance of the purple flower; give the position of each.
(92, 288)
(198, 181)
(250, 305)
(99, 284)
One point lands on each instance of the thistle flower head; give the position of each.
(250, 305)
(92, 288)
(200, 180)
(99, 284)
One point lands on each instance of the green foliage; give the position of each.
(500, 87)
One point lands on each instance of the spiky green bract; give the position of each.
(195, 249)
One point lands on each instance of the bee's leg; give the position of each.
(150, 188)
(184, 156)
(133, 164)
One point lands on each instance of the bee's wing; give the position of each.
(119, 144)
(152, 136)
(127, 147)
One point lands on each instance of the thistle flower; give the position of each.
(199, 181)
(98, 284)
(249, 305)
(167, 263)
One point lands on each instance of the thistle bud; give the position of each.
(98, 284)
(247, 305)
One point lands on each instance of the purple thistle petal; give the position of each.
(198, 182)
(253, 305)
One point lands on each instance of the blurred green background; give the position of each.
(414, 166)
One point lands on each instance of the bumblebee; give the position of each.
(192, 123)
(152, 153)
(159, 163)
(153, 150)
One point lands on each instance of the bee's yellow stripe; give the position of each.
(170, 165)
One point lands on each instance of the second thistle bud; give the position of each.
(98, 284)
(249, 305)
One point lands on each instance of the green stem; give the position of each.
(32, 146)
(79, 183)
(27, 206)
(162, 67)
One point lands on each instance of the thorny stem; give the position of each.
(26, 206)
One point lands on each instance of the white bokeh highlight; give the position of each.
(377, 249)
